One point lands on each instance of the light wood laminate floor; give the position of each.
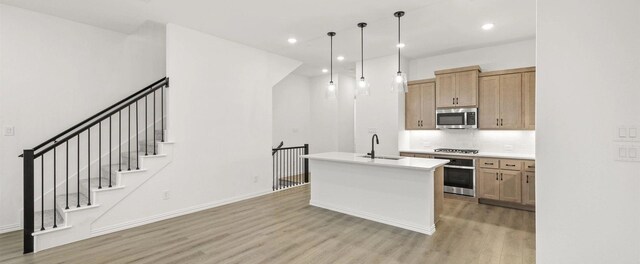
(283, 228)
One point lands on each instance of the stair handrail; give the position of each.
(162, 82)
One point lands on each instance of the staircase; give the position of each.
(74, 178)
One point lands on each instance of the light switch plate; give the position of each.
(9, 131)
(627, 153)
(633, 133)
(622, 132)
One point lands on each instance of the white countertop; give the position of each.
(481, 154)
(403, 162)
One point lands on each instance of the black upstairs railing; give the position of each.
(89, 139)
(289, 169)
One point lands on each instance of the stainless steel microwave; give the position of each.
(457, 118)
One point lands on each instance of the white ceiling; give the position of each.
(429, 27)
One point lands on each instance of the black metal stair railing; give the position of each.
(49, 159)
(289, 169)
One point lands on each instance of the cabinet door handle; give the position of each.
(531, 167)
(497, 121)
(420, 122)
(510, 165)
(453, 100)
(527, 178)
(496, 176)
(501, 124)
(501, 178)
(457, 100)
(486, 163)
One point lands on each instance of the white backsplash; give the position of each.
(521, 142)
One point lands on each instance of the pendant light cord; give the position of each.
(331, 59)
(398, 44)
(362, 52)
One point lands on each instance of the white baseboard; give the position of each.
(168, 215)
(10, 228)
(428, 230)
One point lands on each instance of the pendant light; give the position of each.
(400, 79)
(363, 85)
(331, 89)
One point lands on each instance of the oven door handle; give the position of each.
(459, 167)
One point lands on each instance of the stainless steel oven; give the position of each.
(457, 118)
(460, 176)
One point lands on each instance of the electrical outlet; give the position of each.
(373, 130)
(166, 195)
(508, 147)
(426, 144)
(9, 131)
(629, 153)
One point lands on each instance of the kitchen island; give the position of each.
(400, 191)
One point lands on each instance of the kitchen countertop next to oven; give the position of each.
(481, 154)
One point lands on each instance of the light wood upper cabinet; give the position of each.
(529, 188)
(428, 106)
(489, 109)
(511, 186)
(413, 107)
(457, 87)
(467, 89)
(511, 101)
(420, 109)
(489, 184)
(529, 99)
(446, 90)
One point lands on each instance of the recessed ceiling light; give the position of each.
(292, 40)
(487, 26)
(400, 45)
(325, 70)
(340, 58)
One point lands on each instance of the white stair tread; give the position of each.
(48, 219)
(61, 200)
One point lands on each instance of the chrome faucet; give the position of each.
(373, 151)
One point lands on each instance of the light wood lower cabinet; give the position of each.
(507, 180)
(529, 188)
(500, 185)
(511, 186)
(489, 184)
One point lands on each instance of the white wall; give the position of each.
(55, 73)
(382, 111)
(500, 57)
(331, 119)
(520, 142)
(588, 84)
(291, 111)
(219, 108)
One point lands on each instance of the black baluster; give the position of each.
(89, 166)
(67, 177)
(137, 142)
(99, 155)
(273, 175)
(154, 123)
(55, 208)
(41, 191)
(306, 163)
(146, 124)
(162, 112)
(110, 165)
(129, 139)
(120, 140)
(78, 175)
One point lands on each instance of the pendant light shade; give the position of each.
(363, 85)
(399, 83)
(331, 88)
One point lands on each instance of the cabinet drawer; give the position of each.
(423, 156)
(489, 163)
(511, 165)
(530, 165)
